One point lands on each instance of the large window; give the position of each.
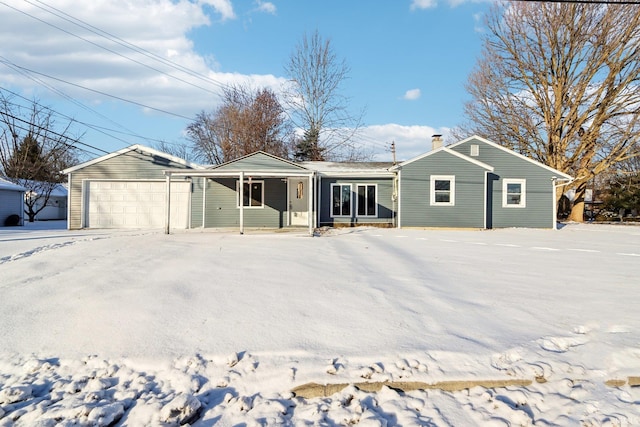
(443, 190)
(341, 200)
(514, 193)
(367, 203)
(253, 194)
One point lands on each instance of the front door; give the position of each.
(298, 201)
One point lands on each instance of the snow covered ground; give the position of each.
(133, 328)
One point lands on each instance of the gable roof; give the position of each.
(270, 162)
(444, 150)
(136, 147)
(8, 185)
(507, 150)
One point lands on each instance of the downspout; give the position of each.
(167, 228)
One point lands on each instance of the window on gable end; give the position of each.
(514, 193)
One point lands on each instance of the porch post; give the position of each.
(241, 201)
(204, 200)
(168, 205)
(310, 214)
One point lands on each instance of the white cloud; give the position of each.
(46, 49)
(411, 141)
(223, 7)
(266, 6)
(412, 94)
(423, 4)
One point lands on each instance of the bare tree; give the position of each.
(317, 105)
(559, 82)
(34, 151)
(182, 150)
(247, 121)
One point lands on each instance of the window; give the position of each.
(514, 193)
(341, 200)
(443, 190)
(253, 194)
(367, 204)
(475, 150)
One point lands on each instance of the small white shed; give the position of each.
(11, 201)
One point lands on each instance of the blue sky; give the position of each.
(409, 61)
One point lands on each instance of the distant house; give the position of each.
(11, 201)
(56, 205)
(474, 183)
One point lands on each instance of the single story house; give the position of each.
(11, 201)
(473, 183)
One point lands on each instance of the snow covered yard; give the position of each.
(215, 329)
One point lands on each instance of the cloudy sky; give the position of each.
(138, 71)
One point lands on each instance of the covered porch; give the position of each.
(266, 198)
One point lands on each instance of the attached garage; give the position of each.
(135, 204)
(127, 189)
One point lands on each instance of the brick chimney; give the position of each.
(436, 142)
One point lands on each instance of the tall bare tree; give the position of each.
(246, 121)
(317, 105)
(559, 82)
(34, 150)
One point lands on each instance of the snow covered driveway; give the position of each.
(217, 328)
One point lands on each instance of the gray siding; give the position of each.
(10, 204)
(222, 205)
(538, 212)
(385, 208)
(131, 165)
(260, 162)
(415, 187)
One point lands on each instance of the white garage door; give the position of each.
(135, 204)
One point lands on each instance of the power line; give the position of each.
(111, 37)
(6, 61)
(107, 49)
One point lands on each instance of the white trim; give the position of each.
(336, 184)
(523, 192)
(204, 201)
(448, 151)
(399, 200)
(354, 174)
(375, 215)
(452, 190)
(507, 150)
(136, 147)
(310, 197)
(234, 174)
(246, 156)
(69, 202)
(241, 194)
(484, 198)
(474, 150)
